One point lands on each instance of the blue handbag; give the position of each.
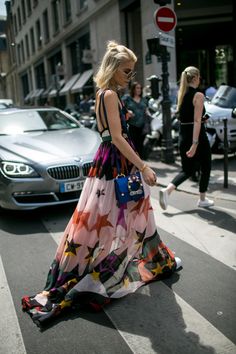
(128, 188)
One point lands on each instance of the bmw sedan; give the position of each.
(45, 156)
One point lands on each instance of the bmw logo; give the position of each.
(77, 159)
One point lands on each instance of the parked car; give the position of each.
(3, 106)
(222, 105)
(45, 156)
(8, 102)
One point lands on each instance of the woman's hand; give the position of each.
(192, 151)
(130, 114)
(149, 176)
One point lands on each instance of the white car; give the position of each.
(222, 106)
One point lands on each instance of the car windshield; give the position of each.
(225, 97)
(35, 120)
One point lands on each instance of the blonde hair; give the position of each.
(115, 55)
(186, 78)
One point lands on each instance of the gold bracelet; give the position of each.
(143, 168)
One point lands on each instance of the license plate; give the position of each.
(71, 186)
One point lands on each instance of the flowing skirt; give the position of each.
(106, 252)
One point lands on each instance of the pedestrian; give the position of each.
(85, 104)
(138, 115)
(107, 251)
(194, 146)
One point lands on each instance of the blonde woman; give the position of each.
(194, 146)
(107, 250)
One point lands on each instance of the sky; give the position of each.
(2, 8)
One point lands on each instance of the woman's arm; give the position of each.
(198, 102)
(112, 104)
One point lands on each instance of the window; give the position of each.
(22, 51)
(27, 45)
(15, 24)
(82, 4)
(67, 10)
(40, 76)
(19, 17)
(38, 34)
(25, 84)
(23, 10)
(32, 40)
(29, 9)
(18, 54)
(76, 50)
(45, 26)
(55, 16)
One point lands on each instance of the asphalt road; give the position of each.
(191, 312)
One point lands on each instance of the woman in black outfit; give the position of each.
(136, 105)
(194, 146)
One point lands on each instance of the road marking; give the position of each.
(205, 236)
(148, 317)
(11, 341)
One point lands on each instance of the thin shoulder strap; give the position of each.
(119, 98)
(104, 108)
(99, 111)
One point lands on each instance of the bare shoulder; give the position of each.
(198, 97)
(110, 96)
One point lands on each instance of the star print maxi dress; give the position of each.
(106, 251)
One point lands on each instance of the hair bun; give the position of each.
(112, 45)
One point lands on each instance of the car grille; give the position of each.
(86, 167)
(64, 172)
(69, 171)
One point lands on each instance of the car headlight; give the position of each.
(17, 169)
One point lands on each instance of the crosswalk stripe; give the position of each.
(217, 242)
(11, 341)
(146, 325)
(133, 315)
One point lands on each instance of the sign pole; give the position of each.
(165, 19)
(167, 148)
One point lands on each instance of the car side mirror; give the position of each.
(234, 112)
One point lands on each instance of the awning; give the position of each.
(27, 97)
(36, 93)
(85, 76)
(46, 92)
(53, 92)
(69, 84)
(39, 93)
(30, 95)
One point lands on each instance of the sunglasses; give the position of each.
(130, 74)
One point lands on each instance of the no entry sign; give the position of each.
(165, 19)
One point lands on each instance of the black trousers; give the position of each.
(200, 161)
(137, 137)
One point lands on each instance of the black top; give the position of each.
(186, 111)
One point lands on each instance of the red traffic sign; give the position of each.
(165, 19)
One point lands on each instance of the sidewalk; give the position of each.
(166, 172)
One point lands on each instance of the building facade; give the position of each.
(205, 37)
(55, 46)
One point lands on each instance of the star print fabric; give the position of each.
(106, 251)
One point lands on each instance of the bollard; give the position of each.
(226, 148)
